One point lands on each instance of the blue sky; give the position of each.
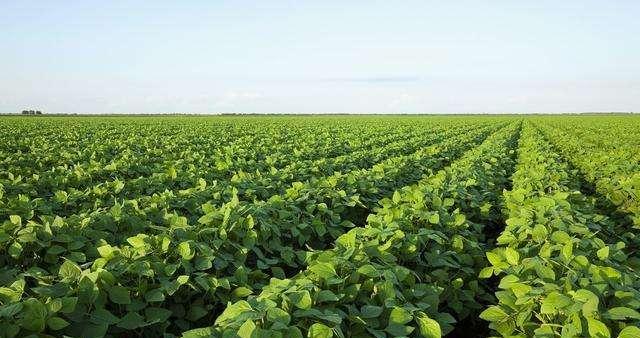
(321, 56)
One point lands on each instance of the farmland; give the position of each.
(343, 226)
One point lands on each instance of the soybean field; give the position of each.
(320, 226)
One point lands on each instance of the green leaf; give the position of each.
(15, 250)
(545, 271)
(457, 243)
(105, 251)
(448, 202)
(172, 173)
(326, 296)
(560, 237)
(94, 330)
(154, 295)
(137, 241)
(35, 314)
(399, 316)
(103, 316)
(203, 332)
(55, 250)
(157, 314)
(396, 197)
(397, 330)
(323, 270)
(493, 314)
(543, 331)
(184, 249)
(434, 219)
(603, 253)
(318, 330)
(301, 299)
(371, 311)
(347, 240)
(132, 320)
(10, 310)
(196, 312)
(68, 304)
(233, 311)
(486, 272)
(292, 332)
(554, 302)
(429, 328)
(278, 315)
(567, 251)
(518, 195)
(539, 233)
(10, 295)
(246, 329)
(242, 292)
(622, 313)
(202, 263)
(520, 289)
(119, 295)
(369, 271)
(437, 201)
(493, 258)
(183, 279)
(15, 219)
(598, 329)
(590, 301)
(512, 256)
(507, 281)
(57, 323)
(630, 332)
(69, 271)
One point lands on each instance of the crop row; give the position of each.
(249, 185)
(121, 278)
(144, 213)
(561, 276)
(406, 272)
(319, 227)
(85, 161)
(613, 167)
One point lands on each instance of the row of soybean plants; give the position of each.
(157, 212)
(611, 162)
(387, 163)
(600, 130)
(94, 204)
(104, 209)
(254, 182)
(410, 271)
(563, 272)
(320, 208)
(152, 157)
(109, 141)
(101, 279)
(104, 194)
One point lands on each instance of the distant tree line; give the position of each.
(31, 112)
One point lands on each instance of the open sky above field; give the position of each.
(329, 56)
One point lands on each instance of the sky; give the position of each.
(319, 56)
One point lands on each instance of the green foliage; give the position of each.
(556, 256)
(315, 227)
(393, 276)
